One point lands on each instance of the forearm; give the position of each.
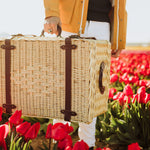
(51, 8)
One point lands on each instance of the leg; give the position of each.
(86, 132)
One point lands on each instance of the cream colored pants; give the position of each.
(101, 31)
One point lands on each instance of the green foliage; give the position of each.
(75, 126)
(35, 119)
(125, 124)
(19, 143)
(43, 122)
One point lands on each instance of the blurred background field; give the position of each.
(27, 17)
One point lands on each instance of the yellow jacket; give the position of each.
(73, 17)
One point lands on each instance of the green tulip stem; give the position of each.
(27, 146)
(15, 138)
(50, 144)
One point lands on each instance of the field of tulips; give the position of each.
(125, 124)
(127, 120)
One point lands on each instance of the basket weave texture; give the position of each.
(38, 77)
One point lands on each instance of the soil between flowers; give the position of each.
(38, 143)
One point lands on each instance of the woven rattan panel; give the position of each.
(38, 77)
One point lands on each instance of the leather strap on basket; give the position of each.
(68, 66)
(79, 37)
(8, 47)
(101, 70)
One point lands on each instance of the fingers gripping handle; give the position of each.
(59, 29)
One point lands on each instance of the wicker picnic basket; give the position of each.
(35, 77)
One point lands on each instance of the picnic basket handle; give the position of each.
(101, 87)
(21, 35)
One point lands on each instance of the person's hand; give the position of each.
(51, 25)
(115, 53)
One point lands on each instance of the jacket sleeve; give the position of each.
(51, 8)
(119, 25)
(122, 25)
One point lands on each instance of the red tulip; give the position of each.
(113, 78)
(141, 94)
(142, 82)
(58, 131)
(133, 79)
(133, 146)
(147, 98)
(148, 72)
(49, 131)
(23, 128)
(33, 131)
(15, 119)
(4, 129)
(135, 98)
(111, 92)
(124, 78)
(148, 83)
(115, 97)
(127, 99)
(80, 145)
(128, 90)
(121, 99)
(68, 128)
(68, 148)
(67, 141)
(1, 112)
(106, 148)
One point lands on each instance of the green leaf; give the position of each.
(75, 126)
(12, 140)
(35, 119)
(18, 141)
(43, 127)
(112, 139)
(25, 146)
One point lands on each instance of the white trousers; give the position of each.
(101, 31)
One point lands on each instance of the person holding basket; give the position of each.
(102, 19)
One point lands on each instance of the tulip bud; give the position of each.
(4, 129)
(49, 131)
(111, 92)
(141, 94)
(23, 127)
(15, 119)
(128, 90)
(147, 98)
(58, 131)
(67, 141)
(80, 145)
(33, 131)
(113, 78)
(133, 146)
